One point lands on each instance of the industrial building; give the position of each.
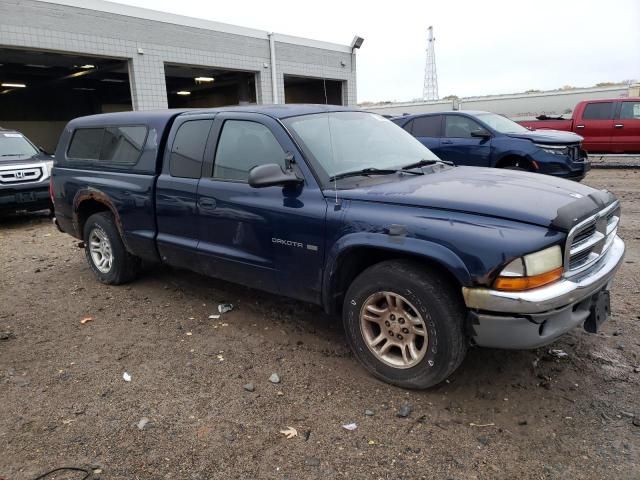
(67, 58)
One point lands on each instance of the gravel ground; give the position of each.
(503, 414)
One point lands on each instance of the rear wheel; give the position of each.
(106, 253)
(405, 324)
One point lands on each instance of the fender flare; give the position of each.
(430, 251)
(100, 197)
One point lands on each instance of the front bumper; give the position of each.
(32, 197)
(537, 317)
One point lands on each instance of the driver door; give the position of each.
(269, 238)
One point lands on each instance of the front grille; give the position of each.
(20, 175)
(590, 239)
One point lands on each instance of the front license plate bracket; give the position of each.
(599, 312)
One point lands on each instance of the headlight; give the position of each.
(531, 271)
(554, 149)
(49, 164)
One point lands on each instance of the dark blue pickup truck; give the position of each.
(344, 209)
(484, 139)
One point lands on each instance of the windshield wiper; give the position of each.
(424, 163)
(370, 171)
(364, 171)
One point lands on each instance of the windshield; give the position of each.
(501, 124)
(341, 142)
(14, 146)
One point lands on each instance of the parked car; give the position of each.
(343, 209)
(24, 174)
(484, 139)
(608, 126)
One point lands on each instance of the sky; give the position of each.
(482, 47)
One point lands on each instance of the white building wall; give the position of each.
(149, 39)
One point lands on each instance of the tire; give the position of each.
(122, 267)
(424, 296)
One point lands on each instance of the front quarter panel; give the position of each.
(471, 247)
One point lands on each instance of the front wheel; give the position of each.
(404, 323)
(106, 253)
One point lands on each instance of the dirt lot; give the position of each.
(63, 400)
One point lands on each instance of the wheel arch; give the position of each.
(514, 159)
(90, 202)
(352, 256)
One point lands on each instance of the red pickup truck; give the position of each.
(608, 126)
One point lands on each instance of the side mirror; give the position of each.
(270, 175)
(480, 133)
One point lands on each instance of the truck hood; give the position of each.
(521, 196)
(550, 137)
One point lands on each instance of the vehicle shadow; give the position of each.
(23, 219)
(481, 367)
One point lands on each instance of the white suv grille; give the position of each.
(588, 241)
(20, 175)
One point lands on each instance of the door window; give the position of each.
(188, 148)
(598, 111)
(242, 146)
(428, 126)
(630, 111)
(460, 127)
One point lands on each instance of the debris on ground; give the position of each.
(404, 411)
(312, 462)
(274, 378)
(214, 317)
(6, 335)
(369, 413)
(557, 353)
(482, 424)
(350, 426)
(144, 422)
(126, 377)
(86, 320)
(225, 307)
(249, 387)
(290, 432)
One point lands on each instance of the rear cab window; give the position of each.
(189, 145)
(598, 111)
(117, 146)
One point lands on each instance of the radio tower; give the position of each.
(430, 91)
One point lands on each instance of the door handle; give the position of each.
(618, 125)
(207, 203)
(579, 126)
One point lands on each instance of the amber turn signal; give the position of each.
(517, 284)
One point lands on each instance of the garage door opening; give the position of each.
(41, 91)
(312, 90)
(200, 87)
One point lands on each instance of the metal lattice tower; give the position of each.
(430, 91)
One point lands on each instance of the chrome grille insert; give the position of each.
(588, 241)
